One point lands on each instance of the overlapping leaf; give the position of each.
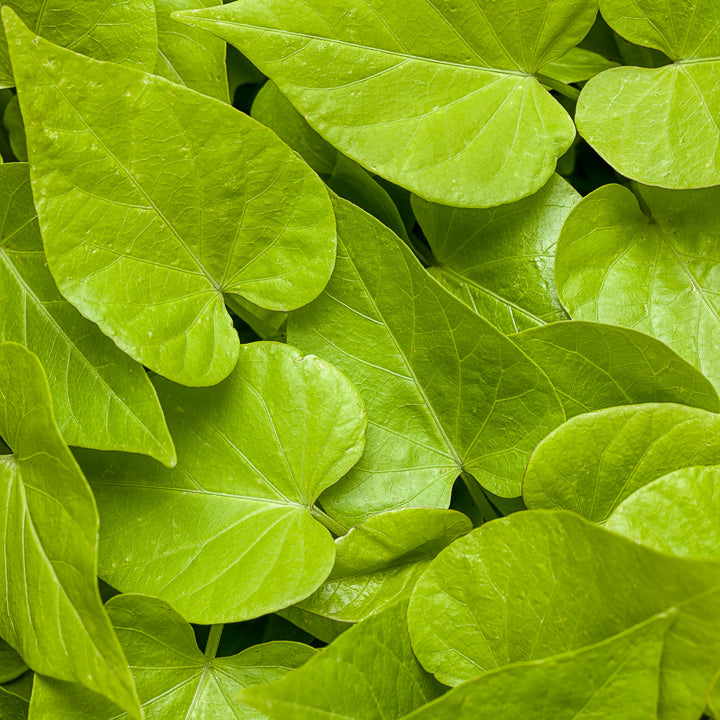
(656, 270)
(378, 562)
(11, 664)
(15, 698)
(231, 533)
(593, 462)
(439, 97)
(120, 31)
(659, 125)
(500, 260)
(539, 584)
(174, 679)
(49, 523)
(445, 391)
(155, 201)
(101, 398)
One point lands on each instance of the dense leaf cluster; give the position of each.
(368, 352)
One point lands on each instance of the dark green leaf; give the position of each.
(11, 664)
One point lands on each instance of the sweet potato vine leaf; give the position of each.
(445, 391)
(231, 533)
(441, 97)
(119, 31)
(538, 584)
(154, 201)
(49, 523)
(101, 398)
(174, 679)
(659, 125)
(650, 262)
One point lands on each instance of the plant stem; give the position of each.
(332, 525)
(213, 641)
(488, 510)
(563, 88)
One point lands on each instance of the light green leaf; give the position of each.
(617, 678)
(675, 514)
(500, 261)
(15, 698)
(594, 366)
(150, 215)
(539, 584)
(593, 462)
(230, 533)
(378, 562)
(445, 391)
(577, 65)
(343, 175)
(12, 119)
(101, 398)
(320, 627)
(187, 56)
(11, 664)
(659, 125)
(439, 97)
(119, 31)
(368, 673)
(655, 270)
(49, 523)
(174, 679)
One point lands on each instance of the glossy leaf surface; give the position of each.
(656, 272)
(593, 462)
(147, 247)
(379, 561)
(675, 514)
(445, 391)
(500, 260)
(368, 673)
(539, 584)
(659, 125)
(174, 679)
(438, 97)
(617, 678)
(101, 398)
(230, 533)
(50, 586)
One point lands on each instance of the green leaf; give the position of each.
(594, 366)
(445, 391)
(378, 562)
(119, 31)
(174, 679)
(539, 584)
(343, 175)
(320, 627)
(11, 664)
(254, 453)
(500, 261)
(49, 523)
(617, 678)
(187, 56)
(593, 462)
(439, 97)
(674, 514)
(659, 125)
(577, 65)
(101, 398)
(654, 271)
(145, 246)
(368, 673)
(15, 698)
(13, 121)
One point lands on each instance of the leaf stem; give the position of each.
(213, 641)
(331, 524)
(563, 88)
(488, 510)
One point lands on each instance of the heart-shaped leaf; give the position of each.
(174, 679)
(538, 584)
(144, 246)
(49, 523)
(378, 562)
(593, 462)
(445, 391)
(654, 269)
(439, 97)
(101, 398)
(659, 125)
(230, 533)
